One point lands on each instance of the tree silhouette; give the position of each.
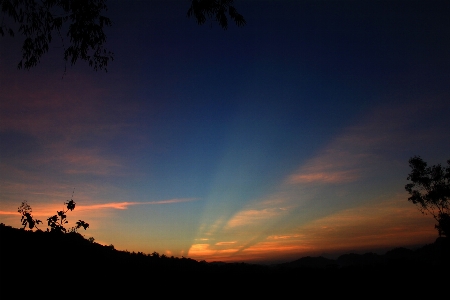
(430, 190)
(82, 23)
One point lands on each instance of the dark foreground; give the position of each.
(68, 266)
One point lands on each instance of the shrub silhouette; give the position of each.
(56, 222)
(27, 218)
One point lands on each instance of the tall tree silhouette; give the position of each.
(430, 191)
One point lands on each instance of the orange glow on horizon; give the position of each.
(386, 224)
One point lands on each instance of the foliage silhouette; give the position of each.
(203, 9)
(27, 218)
(82, 23)
(430, 191)
(55, 222)
(40, 21)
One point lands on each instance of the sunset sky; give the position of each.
(284, 138)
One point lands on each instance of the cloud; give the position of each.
(391, 222)
(325, 177)
(284, 237)
(221, 251)
(225, 243)
(70, 128)
(63, 158)
(254, 216)
(2, 212)
(88, 161)
(359, 150)
(125, 205)
(65, 108)
(345, 160)
(48, 210)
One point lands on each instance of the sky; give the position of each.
(287, 137)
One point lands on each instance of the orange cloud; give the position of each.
(391, 223)
(211, 252)
(225, 243)
(254, 216)
(8, 212)
(50, 209)
(125, 205)
(283, 237)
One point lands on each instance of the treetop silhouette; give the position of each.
(430, 191)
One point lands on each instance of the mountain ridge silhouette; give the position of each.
(43, 258)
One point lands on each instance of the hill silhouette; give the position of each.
(52, 262)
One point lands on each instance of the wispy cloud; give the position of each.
(255, 216)
(2, 212)
(125, 205)
(88, 162)
(388, 223)
(68, 129)
(220, 251)
(65, 108)
(225, 243)
(359, 150)
(284, 237)
(344, 160)
(325, 177)
(51, 209)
